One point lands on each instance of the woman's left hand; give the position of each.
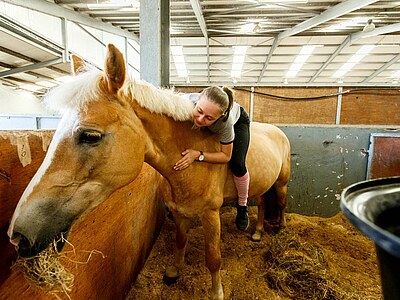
(189, 156)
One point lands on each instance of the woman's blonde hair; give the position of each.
(221, 96)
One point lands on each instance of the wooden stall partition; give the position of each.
(268, 109)
(371, 107)
(117, 235)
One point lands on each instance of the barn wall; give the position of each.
(292, 105)
(123, 228)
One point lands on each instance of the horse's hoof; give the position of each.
(276, 229)
(170, 280)
(256, 237)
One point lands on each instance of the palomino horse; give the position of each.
(110, 126)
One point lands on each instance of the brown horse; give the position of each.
(110, 126)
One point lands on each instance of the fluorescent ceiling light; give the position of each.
(179, 60)
(300, 59)
(238, 60)
(353, 60)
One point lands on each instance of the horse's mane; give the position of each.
(84, 87)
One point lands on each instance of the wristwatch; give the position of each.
(201, 156)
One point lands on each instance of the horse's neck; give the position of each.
(166, 139)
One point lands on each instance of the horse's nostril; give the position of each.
(15, 238)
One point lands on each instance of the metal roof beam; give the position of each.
(384, 67)
(346, 42)
(352, 38)
(203, 26)
(30, 59)
(58, 11)
(331, 13)
(32, 67)
(377, 31)
(271, 51)
(199, 16)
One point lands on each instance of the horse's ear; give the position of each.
(114, 68)
(77, 64)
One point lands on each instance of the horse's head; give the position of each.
(97, 148)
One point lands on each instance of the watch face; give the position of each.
(201, 157)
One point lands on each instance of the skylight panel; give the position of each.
(300, 59)
(239, 56)
(179, 61)
(353, 60)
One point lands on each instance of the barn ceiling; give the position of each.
(286, 42)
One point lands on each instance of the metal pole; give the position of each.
(339, 105)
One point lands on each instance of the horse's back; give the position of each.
(268, 155)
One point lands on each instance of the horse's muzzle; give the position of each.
(23, 245)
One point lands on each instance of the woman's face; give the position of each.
(206, 112)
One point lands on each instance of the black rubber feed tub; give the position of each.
(373, 207)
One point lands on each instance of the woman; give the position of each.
(216, 110)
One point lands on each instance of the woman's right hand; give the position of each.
(189, 156)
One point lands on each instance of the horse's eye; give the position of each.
(90, 137)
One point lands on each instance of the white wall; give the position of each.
(25, 103)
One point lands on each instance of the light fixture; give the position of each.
(257, 28)
(369, 27)
(238, 60)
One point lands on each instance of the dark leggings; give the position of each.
(240, 145)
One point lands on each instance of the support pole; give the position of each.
(154, 42)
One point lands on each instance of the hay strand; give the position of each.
(300, 271)
(45, 270)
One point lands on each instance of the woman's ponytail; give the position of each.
(229, 92)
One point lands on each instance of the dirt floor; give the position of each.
(349, 262)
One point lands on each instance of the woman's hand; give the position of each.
(189, 156)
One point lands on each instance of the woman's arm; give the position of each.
(190, 155)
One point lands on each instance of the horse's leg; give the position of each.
(260, 220)
(182, 225)
(212, 236)
(281, 191)
(281, 185)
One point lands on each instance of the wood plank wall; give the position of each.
(124, 227)
(358, 106)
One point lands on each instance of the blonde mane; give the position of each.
(83, 88)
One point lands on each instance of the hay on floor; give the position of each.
(300, 270)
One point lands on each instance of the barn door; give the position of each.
(384, 155)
